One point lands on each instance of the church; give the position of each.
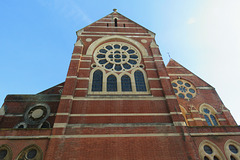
(119, 101)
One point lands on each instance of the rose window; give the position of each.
(117, 56)
(183, 89)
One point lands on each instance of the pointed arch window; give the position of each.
(210, 151)
(31, 152)
(115, 21)
(139, 81)
(97, 81)
(126, 83)
(232, 149)
(209, 115)
(111, 83)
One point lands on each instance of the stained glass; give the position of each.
(208, 149)
(213, 120)
(208, 120)
(140, 82)
(233, 149)
(97, 81)
(126, 83)
(111, 83)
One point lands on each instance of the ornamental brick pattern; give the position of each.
(151, 122)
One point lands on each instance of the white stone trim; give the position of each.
(151, 69)
(84, 68)
(181, 74)
(179, 123)
(82, 89)
(156, 89)
(76, 54)
(75, 59)
(71, 77)
(62, 114)
(85, 60)
(171, 97)
(83, 78)
(79, 43)
(116, 98)
(176, 113)
(116, 33)
(60, 125)
(164, 77)
(205, 88)
(93, 46)
(153, 79)
(221, 119)
(66, 97)
(119, 135)
(120, 114)
(174, 67)
(215, 134)
(89, 56)
(114, 27)
(129, 36)
(157, 55)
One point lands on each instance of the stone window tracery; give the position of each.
(117, 56)
(209, 115)
(184, 89)
(32, 152)
(210, 151)
(232, 150)
(117, 70)
(5, 152)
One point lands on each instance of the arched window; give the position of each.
(210, 151)
(5, 152)
(31, 152)
(232, 150)
(209, 114)
(115, 21)
(139, 81)
(111, 83)
(97, 81)
(126, 83)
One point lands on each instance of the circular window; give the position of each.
(183, 89)
(37, 114)
(208, 149)
(233, 149)
(117, 56)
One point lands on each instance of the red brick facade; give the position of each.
(168, 114)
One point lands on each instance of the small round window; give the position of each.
(117, 56)
(183, 89)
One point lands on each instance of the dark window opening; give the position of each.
(111, 83)
(115, 20)
(140, 82)
(123, 25)
(107, 24)
(126, 83)
(97, 81)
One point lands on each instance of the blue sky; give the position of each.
(37, 39)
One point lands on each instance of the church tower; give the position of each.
(120, 102)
